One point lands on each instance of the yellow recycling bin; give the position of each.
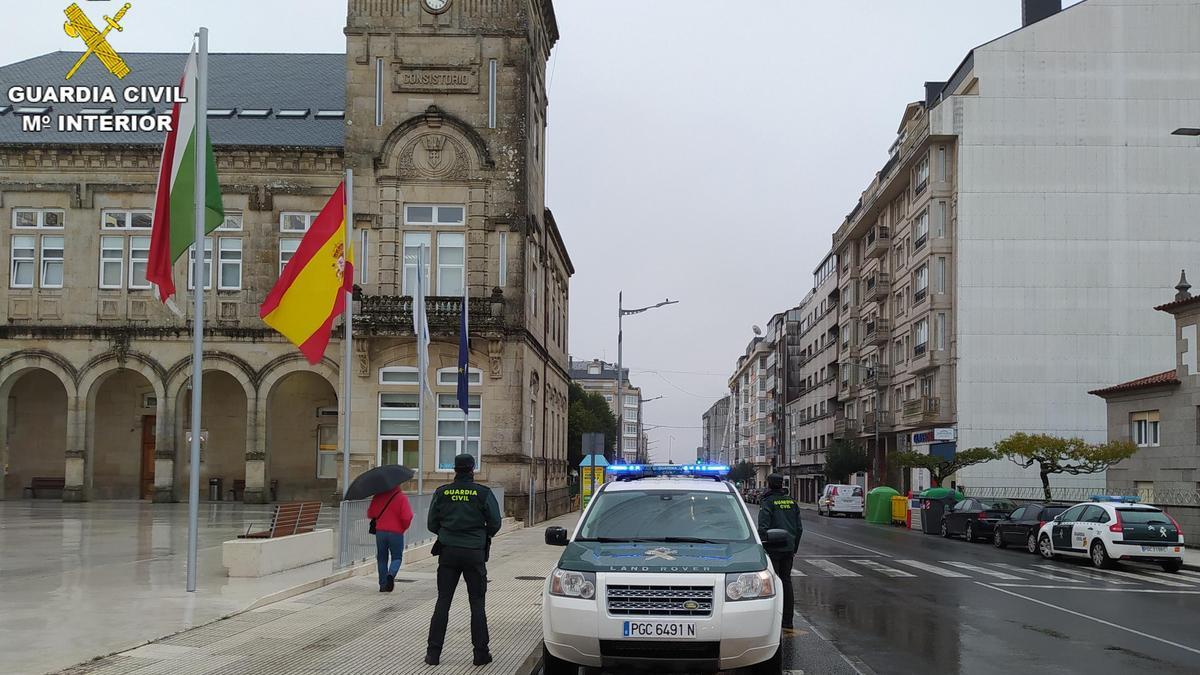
(899, 510)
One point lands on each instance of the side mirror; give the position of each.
(776, 540)
(556, 536)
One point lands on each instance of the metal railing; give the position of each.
(1155, 496)
(356, 544)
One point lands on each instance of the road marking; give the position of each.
(1086, 574)
(882, 569)
(798, 573)
(933, 568)
(1175, 576)
(1044, 575)
(1144, 577)
(981, 570)
(1189, 573)
(1090, 618)
(1098, 588)
(833, 569)
(869, 550)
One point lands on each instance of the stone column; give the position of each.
(164, 452)
(75, 489)
(256, 452)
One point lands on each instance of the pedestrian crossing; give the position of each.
(1061, 575)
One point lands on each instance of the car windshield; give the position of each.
(997, 505)
(1143, 517)
(662, 515)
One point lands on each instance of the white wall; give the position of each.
(1076, 211)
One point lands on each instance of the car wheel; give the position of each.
(945, 529)
(1172, 566)
(969, 533)
(1099, 555)
(1031, 543)
(1045, 548)
(552, 665)
(773, 665)
(998, 539)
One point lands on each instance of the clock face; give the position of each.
(436, 6)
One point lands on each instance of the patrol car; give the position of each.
(664, 571)
(1107, 529)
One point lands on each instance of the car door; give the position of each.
(1010, 529)
(1088, 527)
(1029, 522)
(956, 520)
(1064, 527)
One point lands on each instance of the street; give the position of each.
(895, 601)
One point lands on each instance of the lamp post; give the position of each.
(621, 314)
(638, 456)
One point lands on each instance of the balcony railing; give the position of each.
(879, 240)
(845, 426)
(882, 332)
(880, 420)
(879, 287)
(877, 378)
(392, 315)
(920, 409)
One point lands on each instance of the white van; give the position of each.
(847, 499)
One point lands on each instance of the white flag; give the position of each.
(421, 325)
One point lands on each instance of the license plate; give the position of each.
(1154, 549)
(659, 629)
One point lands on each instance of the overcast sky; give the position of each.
(702, 150)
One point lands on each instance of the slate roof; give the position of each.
(1167, 378)
(241, 81)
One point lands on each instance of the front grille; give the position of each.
(660, 600)
(658, 649)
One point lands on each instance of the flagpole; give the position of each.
(198, 302)
(348, 340)
(467, 366)
(422, 366)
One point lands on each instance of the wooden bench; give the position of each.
(239, 488)
(45, 483)
(290, 518)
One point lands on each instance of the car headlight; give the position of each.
(571, 584)
(749, 585)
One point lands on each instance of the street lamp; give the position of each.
(621, 314)
(1186, 131)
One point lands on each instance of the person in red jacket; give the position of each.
(392, 515)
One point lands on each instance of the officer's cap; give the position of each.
(775, 481)
(464, 462)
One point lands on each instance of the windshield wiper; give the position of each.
(611, 540)
(688, 540)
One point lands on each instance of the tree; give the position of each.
(741, 473)
(844, 458)
(587, 412)
(941, 468)
(1062, 455)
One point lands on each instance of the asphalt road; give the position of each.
(891, 600)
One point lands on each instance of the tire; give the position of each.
(998, 539)
(969, 532)
(945, 529)
(552, 665)
(1045, 548)
(1099, 555)
(772, 666)
(1172, 566)
(1031, 544)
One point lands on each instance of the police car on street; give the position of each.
(1114, 528)
(665, 571)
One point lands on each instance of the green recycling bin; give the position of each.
(879, 505)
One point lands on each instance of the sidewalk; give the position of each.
(350, 627)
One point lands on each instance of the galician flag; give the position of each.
(175, 202)
(311, 291)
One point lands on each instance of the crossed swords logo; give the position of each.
(80, 26)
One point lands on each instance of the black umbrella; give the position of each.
(377, 480)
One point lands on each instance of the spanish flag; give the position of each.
(311, 292)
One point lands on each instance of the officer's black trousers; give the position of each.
(452, 563)
(783, 567)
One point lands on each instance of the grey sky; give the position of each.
(703, 150)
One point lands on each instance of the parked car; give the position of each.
(1021, 527)
(973, 518)
(847, 499)
(1114, 528)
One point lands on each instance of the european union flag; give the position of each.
(463, 350)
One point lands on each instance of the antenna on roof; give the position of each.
(756, 329)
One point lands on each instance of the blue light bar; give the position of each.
(1127, 499)
(669, 469)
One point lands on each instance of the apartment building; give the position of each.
(811, 412)
(600, 377)
(996, 267)
(748, 407)
(716, 437)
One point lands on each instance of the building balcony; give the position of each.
(920, 411)
(845, 427)
(878, 287)
(877, 378)
(848, 391)
(879, 241)
(879, 332)
(391, 315)
(925, 359)
(876, 420)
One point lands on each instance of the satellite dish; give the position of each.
(757, 330)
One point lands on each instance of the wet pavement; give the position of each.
(84, 580)
(895, 601)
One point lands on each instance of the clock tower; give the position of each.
(445, 132)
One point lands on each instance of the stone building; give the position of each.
(715, 435)
(599, 377)
(441, 115)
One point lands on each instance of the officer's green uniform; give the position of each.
(778, 511)
(465, 516)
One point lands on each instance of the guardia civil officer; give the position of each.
(465, 516)
(778, 511)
